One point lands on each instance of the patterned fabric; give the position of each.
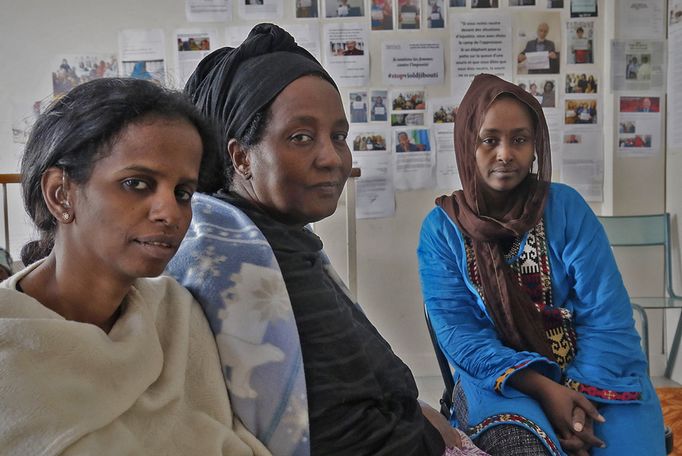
(509, 439)
(247, 305)
(511, 418)
(500, 380)
(606, 394)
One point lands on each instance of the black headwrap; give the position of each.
(231, 85)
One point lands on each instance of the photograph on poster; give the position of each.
(350, 47)
(144, 69)
(640, 104)
(581, 83)
(366, 141)
(435, 14)
(400, 120)
(199, 42)
(379, 111)
(538, 43)
(634, 141)
(444, 113)
(358, 107)
(544, 90)
(675, 12)
(412, 141)
(583, 8)
(521, 2)
(484, 3)
(408, 100)
(555, 3)
(638, 67)
(73, 70)
(573, 139)
(382, 14)
(580, 111)
(458, 3)
(344, 8)
(628, 126)
(580, 42)
(408, 15)
(306, 9)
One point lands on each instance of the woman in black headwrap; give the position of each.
(525, 297)
(284, 133)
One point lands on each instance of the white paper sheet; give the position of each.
(257, 10)
(637, 65)
(412, 62)
(375, 193)
(674, 89)
(415, 161)
(192, 46)
(347, 53)
(642, 19)
(481, 43)
(142, 53)
(208, 10)
(582, 163)
(447, 176)
(639, 126)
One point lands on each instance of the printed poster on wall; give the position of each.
(257, 10)
(412, 62)
(481, 43)
(637, 64)
(347, 53)
(375, 193)
(447, 176)
(192, 46)
(208, 10)
(639, 126)
(70, 70)
(582, 163)
(143, 54)
(415, 161)
(674, 101)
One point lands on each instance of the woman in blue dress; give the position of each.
(526, 299)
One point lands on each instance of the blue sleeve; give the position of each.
(609, 355)
(465, 333)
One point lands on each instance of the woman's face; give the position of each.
(505, 146)
(134, 210)
(301, 165)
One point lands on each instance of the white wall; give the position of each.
(33, 32)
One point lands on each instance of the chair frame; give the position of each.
(662, 239)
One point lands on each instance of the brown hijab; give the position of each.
(514, 314)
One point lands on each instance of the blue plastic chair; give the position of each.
(648, 230)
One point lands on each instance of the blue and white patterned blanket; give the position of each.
(229, 267)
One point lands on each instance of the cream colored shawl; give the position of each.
(152, 386)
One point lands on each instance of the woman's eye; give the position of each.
(183, 195)
(302, 138)
(135, 184)
(488, 141)
(340, 136)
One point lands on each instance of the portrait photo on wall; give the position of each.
(408, 100)
(409, 15)
(435, 14)
(640, 104)
(358, 107)
(379, 110)
(580, 111)
(412, 140)
(544, 90)
(581, 83)
(344, 8)
(538, 42)
(366, 141)
(351, 47)
(306, 9)
(381, 12)
(580, 41)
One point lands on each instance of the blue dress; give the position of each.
(566, 265)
